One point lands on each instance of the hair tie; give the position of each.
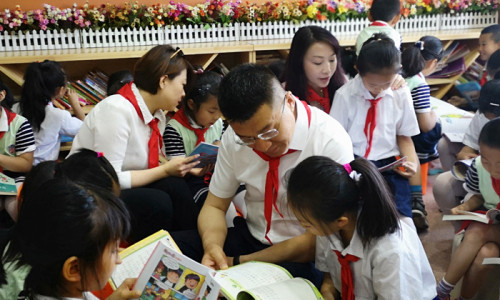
(494, 104)
(420, 45)
(99, 154)
(198, 71)
(348, 168)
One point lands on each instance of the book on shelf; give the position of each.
(191, 280)
(7, 185)
(207, 152)
(492, 216)
(451, 69)
(459, 169)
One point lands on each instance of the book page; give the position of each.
(135, 257)
(292, 289)
(7, 185)
(249, 275)
(491, 261)
(467, 215)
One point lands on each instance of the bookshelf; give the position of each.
(77, 62)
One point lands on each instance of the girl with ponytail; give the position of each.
(45, 82)
(361, 245)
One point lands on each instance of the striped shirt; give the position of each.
(24, 138)
(174, 146)
(421, 98)
(472, 179)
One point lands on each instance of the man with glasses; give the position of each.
(270, 132)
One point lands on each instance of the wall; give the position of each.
(36, 4)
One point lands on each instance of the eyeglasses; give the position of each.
(246, 141)
(178, 51)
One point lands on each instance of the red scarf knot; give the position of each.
(371, 123)
(324, 101)
(156, 140)
(346, 274)
(181, 117)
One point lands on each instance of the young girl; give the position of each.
(68, 235)
(128, 126)
(313, 71)
(363, 248)
(199, 120)
(17, 145)
(379, 120)
(480, 240)
(420, 60)
(44, 82)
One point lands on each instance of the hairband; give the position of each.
(177, 51)
(420, 45)
(348, 168)
(100, 154)
(352, 173)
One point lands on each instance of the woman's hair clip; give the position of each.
(100, 154)
(420, 45)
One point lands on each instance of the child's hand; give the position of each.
(406, 169)
(466, 153)
(202, 171)
(457, 101)
(72, 98)
(180, 166)
(215, 258)
(124, 291)
(456, 210)
(217, 143)
(398, 82)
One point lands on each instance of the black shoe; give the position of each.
(418, 214)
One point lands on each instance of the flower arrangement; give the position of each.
(226, 12)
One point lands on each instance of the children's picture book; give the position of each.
(459, 169)
(135, 257)
(207, 152)
(7, 185)
(393, 165)
(492, 216)
(454, 121)
(170, 275)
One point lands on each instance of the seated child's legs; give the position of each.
(448, 192)
(10, 205)
(448, 152)
(476, 275)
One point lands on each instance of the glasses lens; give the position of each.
(268, 134)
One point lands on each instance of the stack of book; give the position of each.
(453, 62)
(91, 89)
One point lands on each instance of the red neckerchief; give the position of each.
(496, 185)
(10, 117)
(371, 121)
(346, 275)
(156, 140)
(484, 78)
(181, 117)
(324, 101)
(272, 180)
(378, 23)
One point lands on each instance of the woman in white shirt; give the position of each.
(127, 128)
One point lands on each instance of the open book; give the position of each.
(7, 185)
(171, 275)
(393, 165)
(491, 261)
(454, 121)
(207, 152)
(459, 169)
(492, 216)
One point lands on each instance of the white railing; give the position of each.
(182, 34)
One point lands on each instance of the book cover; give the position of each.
(7, 185)
(469, 91)
(207, 152)
(451, 69)
(89, 90)
(393, 165)
(89, 98)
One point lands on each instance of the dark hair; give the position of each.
(493, 65)
(37, 177)
(117, 80)
(244, 90)
(381, 47)
(385, 10)
(176, 271)
(9, 100)
(278, 68)
(489, 97)
(494, 30)
(192, 276)
(321, 189)
(207, 84)
(295, 76)
(41, 82)
(62, 220)
(157, 62)
(489, 134)
(415, 56)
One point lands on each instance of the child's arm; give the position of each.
(467, 153)
(406, 148)
(327, 287)
(75, 104)
(472, 204)
(21, 163)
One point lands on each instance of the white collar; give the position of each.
(361, 91)
(301, 131)
(4, 124)
(146, 114)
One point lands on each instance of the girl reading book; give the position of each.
(480, 240)
(362, 247)
(68, 234)
(45, 83)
